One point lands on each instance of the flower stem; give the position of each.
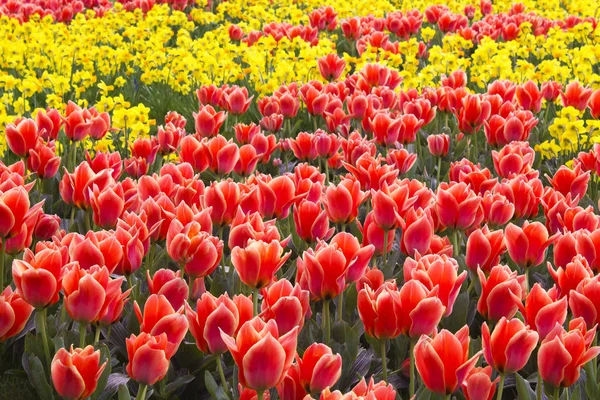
(259, 395)
(82, 332)
(40, 319)
(500, 387)
(385, 245)
(255, 301)
(557, 393)
(141, 394)
(97, 336)
(326, 330)
(439, 172)
(340, 309)
(222, 374)
(411, 384)
(384, 361)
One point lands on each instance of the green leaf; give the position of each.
(103, 380)
(113, 384)
(123, 392)
(458, 318)
(524, 390)
(178, 383)
(215, 390)
(37, 377)
(422, 393)
(591, 389)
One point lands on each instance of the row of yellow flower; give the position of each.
(106, 61)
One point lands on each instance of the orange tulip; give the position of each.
(527, 245)
(443, 362)
(257, 264)
(439, 271)
(262, 356)
(563, 353)
(479, 384)
(288, 305)
(14, 313)
(169, 284)
(38, 277)
(85, 292)
(567, 278)
(159, 317)
(75, 373)
(319, 368)
(216, 315)
(148, 357)
(509, 346)
(543, 310)
(484, 249)
(498, 293)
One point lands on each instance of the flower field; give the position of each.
(299, 200)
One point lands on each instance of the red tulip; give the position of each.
(15, 211)
(373, 279)
(257, 263)
(159, 317)
(386, 130)
(594, 104)
(114, 302)
(290, 388)
(43, 160)
(498, 293)
(567, 278)
(342, 202)
(49, 122)
(169, 284)
(473, 113)
(385, 210)
(95, 248)
(288, 305)
(262, 356)
(380, 311)
(573, 182)
(14, 313)
(417, 231)
(198, 251)
(443, 362)
(563, 353)
(276, 196)
(107, 206)
(319, 368)
(509, 346)
(484, 248)
(374, 235)
(576, 96)
(497, 210)
(208, 121)
(323, 272)
(585, 300)
(438, 144)
(38, 277)
(75, 373)
(223, 197)
(331, 66)
(357, 257)
(457, 206)
(479, 384)
(439, 271)
(216, 315)
(527, 245)
(85, 292)
(236, 100)
(148, 359)
(22, 137)
(529, 96)
(516, 158)
(543, 310)
(311, 222)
